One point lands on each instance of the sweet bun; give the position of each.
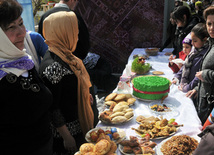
(102, 147)
(110, 96)
(86, 147)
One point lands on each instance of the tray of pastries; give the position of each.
(137, 146)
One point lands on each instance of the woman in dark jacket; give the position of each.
(68, 80)
(185, 22)
(25, 100)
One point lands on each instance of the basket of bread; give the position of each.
(119, 110)
(102, 147)
(117, 115)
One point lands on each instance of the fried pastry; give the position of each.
(110, 96)
(117, 114)
(127, 149)
(129, 114)
(120, 97)
(137, 150)
(123, 103)
(119, 119)
(124, 142)
(128, 96)
(147, 150)
(131, 101)
(109, 103)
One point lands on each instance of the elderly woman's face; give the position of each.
(210, 25)
(15, 31)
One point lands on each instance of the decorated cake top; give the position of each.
(151, 83)
(139, 66)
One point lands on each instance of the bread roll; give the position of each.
(110, 96)
(86, 147)
(119, 119)
(102, 147)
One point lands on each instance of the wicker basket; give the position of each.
(152, 51)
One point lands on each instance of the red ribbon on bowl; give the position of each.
(147, 92)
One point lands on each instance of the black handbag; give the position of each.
(206, 147)
(208, 101)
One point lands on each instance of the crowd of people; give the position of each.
(191, 33)
(47, 78)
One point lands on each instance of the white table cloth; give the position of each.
(186, 113)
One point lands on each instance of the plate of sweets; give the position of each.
(117, 114)
(157, 128)
(115, 134)
(137, 146)
(164, 108)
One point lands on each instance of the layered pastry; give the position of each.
(150, 87)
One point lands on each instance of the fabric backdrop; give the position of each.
(116, 27)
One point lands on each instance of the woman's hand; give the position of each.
(70, 144)
(191, 93)
(69, 141)
(199, 75)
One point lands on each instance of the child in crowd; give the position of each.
(187, 46)
(186, 75)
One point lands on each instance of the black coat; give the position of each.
(24, 114)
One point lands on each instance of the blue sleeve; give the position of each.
(39, 44)
(191, 85)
